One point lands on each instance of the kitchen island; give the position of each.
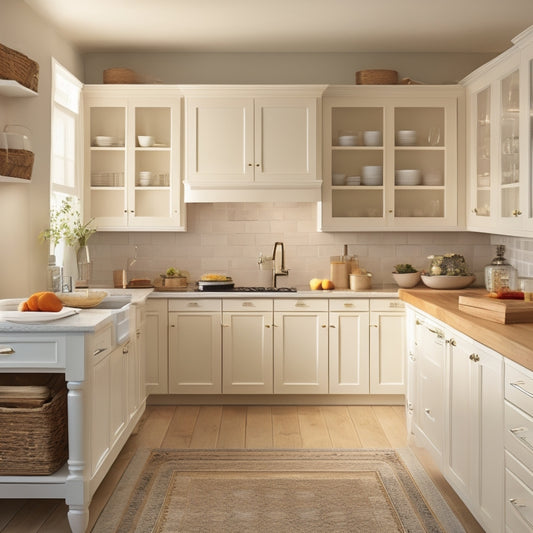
(106, 397)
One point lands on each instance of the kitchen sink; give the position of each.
(120, 306)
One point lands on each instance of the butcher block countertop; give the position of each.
(514, 341)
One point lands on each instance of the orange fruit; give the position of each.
(33, 301)
(23, 306)
(48, 301)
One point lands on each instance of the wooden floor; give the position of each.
(238, 427)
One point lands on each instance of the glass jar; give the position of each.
(500, 274)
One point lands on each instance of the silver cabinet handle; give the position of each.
(523, 510)
(427, 411)
(324, 325)
(474, 357)
(193, 304)
(300, 304)
(437, 332)
(519, 386)
(98, 351)
(248, 304)
(267, 325)
(7, 350)
(225, 325)
(517, 432)
(125, 350)
(332, 326)
(452, 342)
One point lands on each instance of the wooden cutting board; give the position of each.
(501, 311)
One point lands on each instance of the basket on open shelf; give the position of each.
(376, 77)
(34, 440)
(16, 163)
(18, 67)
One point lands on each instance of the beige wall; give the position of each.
(282, 68)
(24, 208)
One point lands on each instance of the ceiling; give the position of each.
(485, 26)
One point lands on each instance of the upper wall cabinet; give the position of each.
(252, 144)
(499, 136)
(391, 158)
(132, 164)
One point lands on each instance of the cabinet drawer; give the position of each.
(247, 304)
(518, 496)
(300, 304)
(101, 343)
(519, 434)
(352, 304)
(386, 304)
(200, 304)
(38, 351)
(519, 386)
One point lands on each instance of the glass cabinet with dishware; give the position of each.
(390, 158)
(499, 136)
(132, 164)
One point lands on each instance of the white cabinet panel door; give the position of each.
(195, 353)
(348, 353)
(220, 139)
(285, 138)
(301, 352)
(156, 321)
(387, 356)
(247, 349)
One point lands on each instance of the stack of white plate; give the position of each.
(347, 140)
(103, 140)
(408, 177)
(433, 178)
(372, 138)
(372, 175)
(405, 138)
(353, 180)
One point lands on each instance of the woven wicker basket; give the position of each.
(121, 75)
(34, 441)
(18, 67)
(376, 77)
(16, 163)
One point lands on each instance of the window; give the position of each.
(65, 164)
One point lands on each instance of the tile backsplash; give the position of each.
(229, 237)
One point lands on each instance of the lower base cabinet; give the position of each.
(457, 405)
(275, 346)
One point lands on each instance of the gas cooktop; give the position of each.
(222, 288)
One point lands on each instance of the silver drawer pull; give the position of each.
(437, 332)
(516, 432)
(193, 304)
(248, 304)
(98, 351)
(7, 350)
(523, 510)
(300, 304)
(519, 385)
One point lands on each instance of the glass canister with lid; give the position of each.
(500, 274)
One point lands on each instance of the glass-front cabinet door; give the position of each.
(132, 168)
(390, 158)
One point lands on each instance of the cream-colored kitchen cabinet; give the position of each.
(371, 136)
(247, 346)
(118, 397)
(300, 346)
(473, 456)
(129, 185)
(252, 143)
(429, 416)
(387, 346)
(499, 134)
(156, 343)
(349, 346)
(195, 346)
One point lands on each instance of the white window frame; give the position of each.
(73, 109)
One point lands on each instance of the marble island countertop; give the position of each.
(513, 341)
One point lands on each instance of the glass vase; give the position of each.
(84, 266)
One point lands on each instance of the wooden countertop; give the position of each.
(514, 341)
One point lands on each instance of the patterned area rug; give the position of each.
(366, 491)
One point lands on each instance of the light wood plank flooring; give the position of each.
(238, 427)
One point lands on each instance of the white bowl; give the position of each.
(448, 282)
(104, 140)
(406, 280)
(338, 179)
(434, 178)
(347, 140)
(408, 177)
(405, 137)
(376, 180)
(144, 182)
(146, 140)
(372, 138)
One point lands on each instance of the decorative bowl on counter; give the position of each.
(449, 264)
(83, 299)
(406, 280)
(448, 282)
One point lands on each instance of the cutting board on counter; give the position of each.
(501, 311)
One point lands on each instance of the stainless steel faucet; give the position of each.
(281, 270)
